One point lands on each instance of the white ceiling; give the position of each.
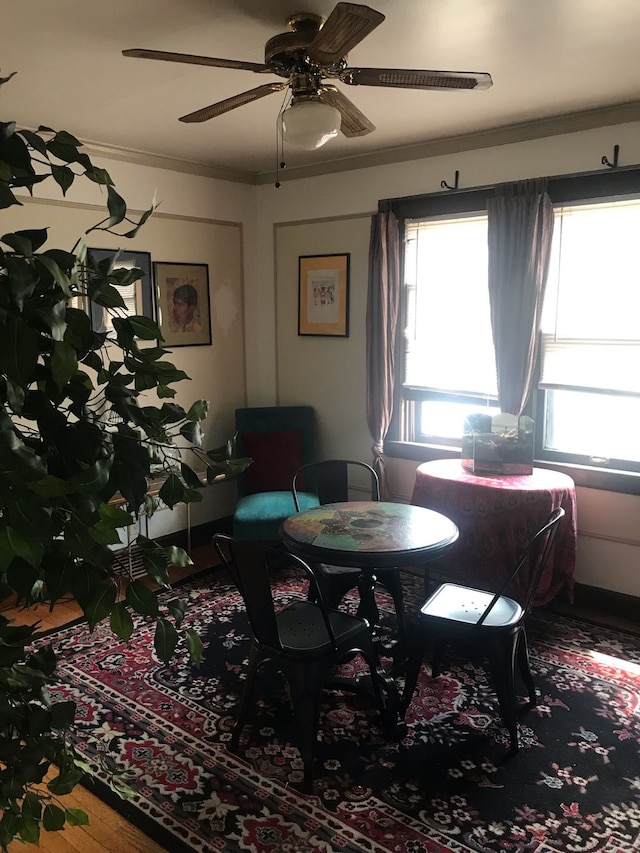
(547, 57)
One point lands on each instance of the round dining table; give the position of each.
(497, 515)
(371, 535)
(368, 535)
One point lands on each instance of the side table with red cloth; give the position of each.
(496, 516)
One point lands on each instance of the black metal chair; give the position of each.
(491, 623)
(305, 640)
(330, 480)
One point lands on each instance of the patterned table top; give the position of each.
(369, 534)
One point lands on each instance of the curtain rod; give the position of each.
(569, 187)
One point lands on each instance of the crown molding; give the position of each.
(173, 164)
(524, 131)
(555, 125)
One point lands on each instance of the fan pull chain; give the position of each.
(280, 163)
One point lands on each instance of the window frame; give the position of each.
(615, 183)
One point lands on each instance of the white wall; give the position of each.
(258, 313)
(330, 214)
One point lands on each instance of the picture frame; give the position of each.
(183, 302)
(323, 295)
(138, 297)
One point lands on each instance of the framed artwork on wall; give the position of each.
(323, 295)
(183, 303)
(138, 296)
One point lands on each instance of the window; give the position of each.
(449, 362)
(588, 399)
(590, 355)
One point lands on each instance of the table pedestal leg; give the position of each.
(368, 609)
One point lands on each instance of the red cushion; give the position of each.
(276, 458)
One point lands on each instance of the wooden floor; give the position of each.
(107, 831)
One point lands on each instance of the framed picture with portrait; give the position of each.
(323, 295)
(182, 293)
(137, 297)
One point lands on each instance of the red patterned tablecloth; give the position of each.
(497, 516)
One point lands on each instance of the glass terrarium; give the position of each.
(498, 444)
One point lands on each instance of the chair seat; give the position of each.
(258, 517)
(464, 604)
(302, 628)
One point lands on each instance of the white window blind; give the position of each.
(591, 321)
(590, 366)
(448, 341)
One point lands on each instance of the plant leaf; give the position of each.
(19, 351)
(198, 411)
(142, 599)
(53, 818)
(64, 363)
(63, 176)
(76, 817)
(165, 640)
(156, 567)
(177, 608)
(190, 477)
(192, 431)
(66, 781)
(145, 328)
(63, 714)
(121, 622)
(177, 556)
(116, 205)
(101, 605)
(172, 491)
(195, 646)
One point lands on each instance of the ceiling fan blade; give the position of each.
(345, 27)
(402, 78)
(231, 103)
(354, 122)
(190, 59)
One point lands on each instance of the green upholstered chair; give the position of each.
(279, 439)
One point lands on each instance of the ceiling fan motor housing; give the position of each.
(287, 53)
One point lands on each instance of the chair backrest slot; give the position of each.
(331, 480)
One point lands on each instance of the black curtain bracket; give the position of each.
(446, 186)
(607, 162)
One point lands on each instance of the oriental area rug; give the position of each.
(448, 786)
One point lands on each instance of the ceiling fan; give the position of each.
(313, 50)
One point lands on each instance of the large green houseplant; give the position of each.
(60, 465)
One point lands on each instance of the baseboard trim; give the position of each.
(607, 601)
(201, 534)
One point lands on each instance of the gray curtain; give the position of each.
(520, 230)
(383, 302)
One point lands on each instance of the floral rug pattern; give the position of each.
(448, 786)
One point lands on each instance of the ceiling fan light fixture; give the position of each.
(310, 124)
